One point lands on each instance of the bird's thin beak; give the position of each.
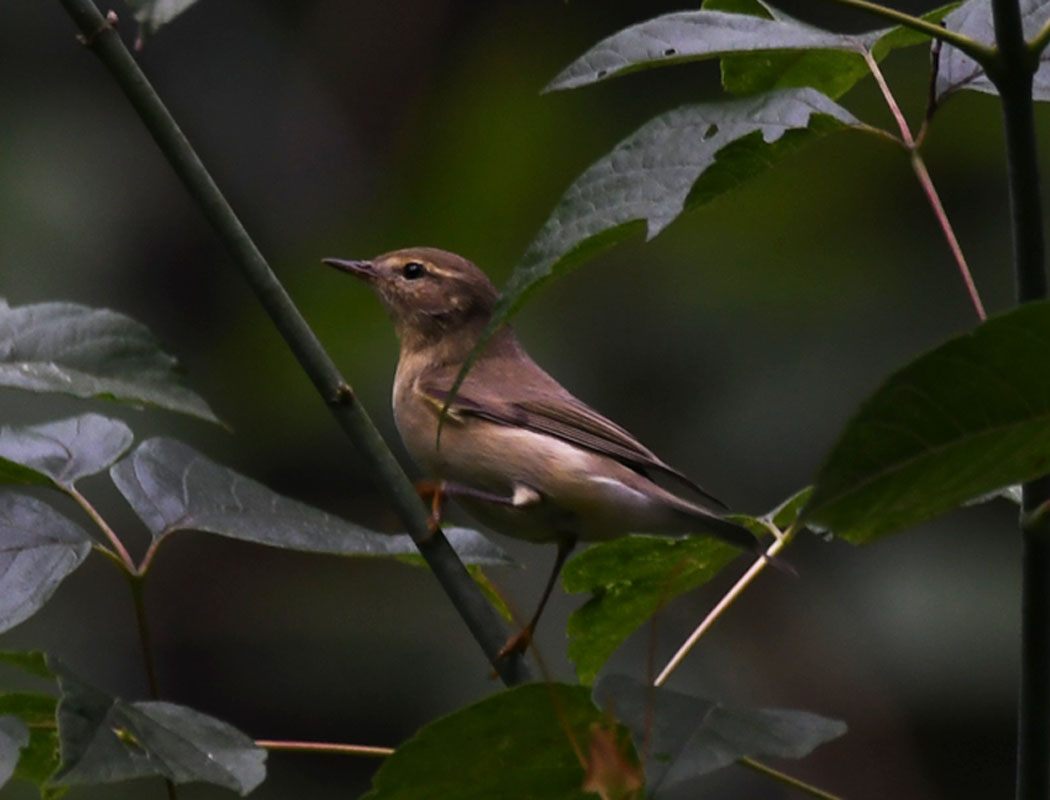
(361, 269)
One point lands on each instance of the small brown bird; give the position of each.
(518, 450)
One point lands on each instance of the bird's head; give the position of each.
(429, 293)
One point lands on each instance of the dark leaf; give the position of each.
(686, 737)
(89, 352)
(63, 452)
(974, 19)
(514, 745)
(38, 548)
(174, 488)
(833, 72)
(14, 735)
(676, 161)
(105, 739)
(690, 36)
(966, 419)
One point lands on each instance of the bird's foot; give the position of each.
(433, 492)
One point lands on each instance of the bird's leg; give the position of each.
(521, 640)
(435, 493)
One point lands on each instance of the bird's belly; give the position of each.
(582, 494)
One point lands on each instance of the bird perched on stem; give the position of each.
(517, 449)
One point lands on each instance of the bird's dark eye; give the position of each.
(413, 270)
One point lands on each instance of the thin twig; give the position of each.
(484, 623)
(891, 101)
(981, 53)
(325, 747)
(787, 780)
(118, 546)
(926, 182)
(727, 600)
(919, 167)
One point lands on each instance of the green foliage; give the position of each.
(39, 757)
(831, 71)
(629, 580)
(174, 488)
(694, 35)
(632, 578)
(60, 453)
(14, 736)
(655, 174)
(518, 744)
(40, 548)
(685, 737)
(89, 352)
(105, 739)
(967, 418)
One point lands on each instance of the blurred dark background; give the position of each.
(736, 345)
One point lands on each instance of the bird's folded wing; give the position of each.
(567, 418)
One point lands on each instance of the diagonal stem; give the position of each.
(918, 166)
(727, 600)
(99, 35)
(787, 780)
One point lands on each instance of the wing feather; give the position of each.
(565, 417)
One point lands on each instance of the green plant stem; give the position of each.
(100, 36)
(787, 780)
(138, 585)
(326, 747)
(1013, 79)
(980, 53)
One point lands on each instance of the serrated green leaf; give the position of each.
(38, 548)
(686, 737)
(832, 72)
(514, 745)
(14, 735)
(677, 161)
(174, 488)
(61, 453)
(105, 740)
(974, 19)
(154, 14)
(963, 420)
(686, 36)
(630, 579)
(89, 352)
